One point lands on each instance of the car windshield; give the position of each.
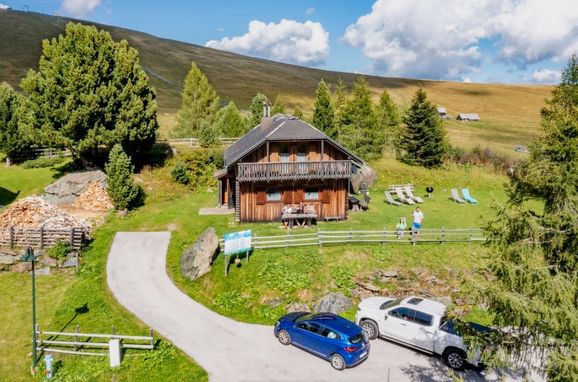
(387, 304)
(305, 317)
(356, 338)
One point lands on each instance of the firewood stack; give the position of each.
(94, 198)
(35, 212)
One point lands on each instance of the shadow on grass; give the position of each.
(7, 196)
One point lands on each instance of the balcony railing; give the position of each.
(337, 169)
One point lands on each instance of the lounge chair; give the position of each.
(409, 193)
(456, 196)
(402, 197)
(390, 200)
(468, 197)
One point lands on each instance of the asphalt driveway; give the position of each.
(233, 351)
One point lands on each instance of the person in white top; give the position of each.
(417, 219)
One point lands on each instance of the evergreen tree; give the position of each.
(278, 107)
(199, 104)
(339, 101)
(119, 183)
(533, 270)
(90, 90)
(208, 136)
(360, 131)
(323, 116)
(388, 119)
(230, 122)
(423, 139)
(12, 140)
(256, 109)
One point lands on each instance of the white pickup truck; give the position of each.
(416, 322)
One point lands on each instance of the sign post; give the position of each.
(29, 257)
(235, 243)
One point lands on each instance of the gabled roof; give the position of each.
(279, 128)
(469, 116)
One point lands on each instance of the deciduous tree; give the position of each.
(90, 90)
(423, 138)
(199, 104)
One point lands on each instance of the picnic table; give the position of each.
(301, 219)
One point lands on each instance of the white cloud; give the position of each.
(546, 76)
(79, 8)
(442, 38)
(4, 6)
(309, 11)
(288, 41)
(467, 80)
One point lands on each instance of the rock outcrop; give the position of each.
(198, 258)
(333, 303)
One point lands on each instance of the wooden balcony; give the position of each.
(268, 171)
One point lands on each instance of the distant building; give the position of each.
(468, 117)
(442, 112)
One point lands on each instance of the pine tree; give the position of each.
(388, 119)
(360, 132)
(230, 122)
(339, 101)
(208, 136)
(199, 104)
(12, 140)
(256, 109)
(90, 90)
(323, 116)
(278, 107)
(120, 185)
(533, 270)
(423, 138)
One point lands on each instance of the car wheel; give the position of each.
(284, 337)
(454, 358)
(370, 328)
(337, 362)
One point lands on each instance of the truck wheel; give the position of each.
(370, 328)
(454, 358)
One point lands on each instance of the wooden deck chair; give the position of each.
(410, 194)
(402, 197)
(391, 200)
(468, 197)
(456, 197)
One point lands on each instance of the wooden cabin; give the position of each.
(285, 161)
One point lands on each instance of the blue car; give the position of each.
(326, 335)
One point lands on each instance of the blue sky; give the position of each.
(511, 41)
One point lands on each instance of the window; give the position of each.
(356, 339)
(302, 154)
(273, 195)
(387, 304)
(326, 332)
(423, 318)
(402, 313)
(415, 301)
(311, 194)
(449, 327)
(284, 154)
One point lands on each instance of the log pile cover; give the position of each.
(94, 198)
(34, 212)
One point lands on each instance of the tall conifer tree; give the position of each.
(423, 139)
(230, 122)
(388, 119)
(323, 115)
(12, 141)
(199, 104)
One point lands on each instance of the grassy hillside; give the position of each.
(510, 113)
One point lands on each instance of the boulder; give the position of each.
(66, 189)
(49, 261)
(197, 259)
(297, 307)
(71, 262)
(22, 267)
(333, 303)
(365, 176)
(42, 271)
(7, 259)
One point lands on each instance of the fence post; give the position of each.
(384, 235)
(318, 237)
(11, 237)
(152, 338)
(471, 235)
(443, 235)
(287, 240)
(75, 337)
(72, 237)
(42, 237)
(350, 234)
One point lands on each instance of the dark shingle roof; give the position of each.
(279, 128)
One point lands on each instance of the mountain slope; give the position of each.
(510, 111)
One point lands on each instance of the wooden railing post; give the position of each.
(11, 237)
(76, 337)
(152, 338)
(384, 235)
(443, 235)
(318, 237)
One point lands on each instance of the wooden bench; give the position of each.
(293, 218)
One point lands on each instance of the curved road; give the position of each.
(232, 351)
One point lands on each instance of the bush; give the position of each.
(180, 174)
(200, 166)
(60, 250)
(43, 162)
(120, 186)
(481, 157)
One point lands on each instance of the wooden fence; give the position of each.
(193, 142)
(40, 237)
(83, 344)
(320, 238)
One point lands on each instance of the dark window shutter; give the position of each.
(324, 196)
(261, 196)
